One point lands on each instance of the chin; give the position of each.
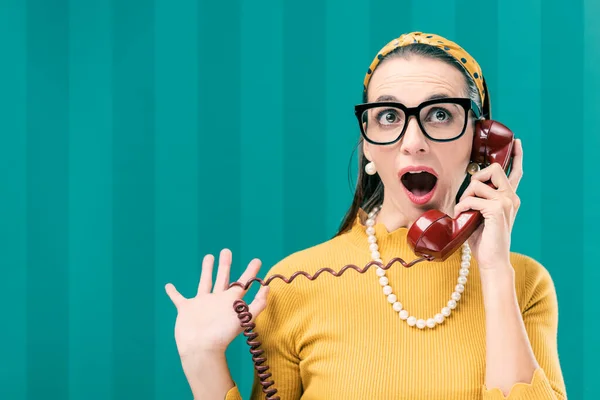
(426, 207)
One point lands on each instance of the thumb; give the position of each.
(174, 295)
(259, 303)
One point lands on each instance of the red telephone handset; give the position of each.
(434, 234)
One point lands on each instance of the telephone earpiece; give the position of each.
(435, 235)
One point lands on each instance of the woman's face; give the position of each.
(412, 81)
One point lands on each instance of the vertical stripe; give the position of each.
(518, 99)
(304, 124)
(47, 202)
(90, 201)
(13, 195)
(479, 36)
(176, 191)
(262, 133)
(219, 128)
(481, 45)
(435, 16)
(261, 140)
(591, 196)
(133, 200)
(347, 59)
(388, 19)
(562, 89)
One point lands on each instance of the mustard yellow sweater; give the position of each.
(339, 338)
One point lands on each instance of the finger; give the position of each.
(174, 295)
(480, 189)
(259, 303)
(250, 272)
(516, 170)
(471, 203)
(496, 174)
(205, 283)
(223, 273)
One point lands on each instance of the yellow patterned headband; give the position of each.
(469, 64)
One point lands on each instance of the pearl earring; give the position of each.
(370, 168)
(473, 168)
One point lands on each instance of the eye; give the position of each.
(439, 115)
(388, 117)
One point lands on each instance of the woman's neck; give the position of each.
(392, 218)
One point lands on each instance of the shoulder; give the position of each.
(530, 269)
(533, 280)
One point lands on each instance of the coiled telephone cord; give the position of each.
(245, 317)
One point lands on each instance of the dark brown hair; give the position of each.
(369, 188)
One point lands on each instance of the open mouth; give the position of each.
(420, 185)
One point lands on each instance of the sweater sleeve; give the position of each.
(540, 316)
(277, 327)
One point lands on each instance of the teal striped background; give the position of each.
(137, 136)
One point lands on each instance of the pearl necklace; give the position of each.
(391, 297)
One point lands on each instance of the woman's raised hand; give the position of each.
(207, 322)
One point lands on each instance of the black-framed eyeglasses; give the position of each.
(441, 120)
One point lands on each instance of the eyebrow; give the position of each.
(388, 97)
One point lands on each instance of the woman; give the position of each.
(430, 335)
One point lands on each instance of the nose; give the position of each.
(414, 141)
